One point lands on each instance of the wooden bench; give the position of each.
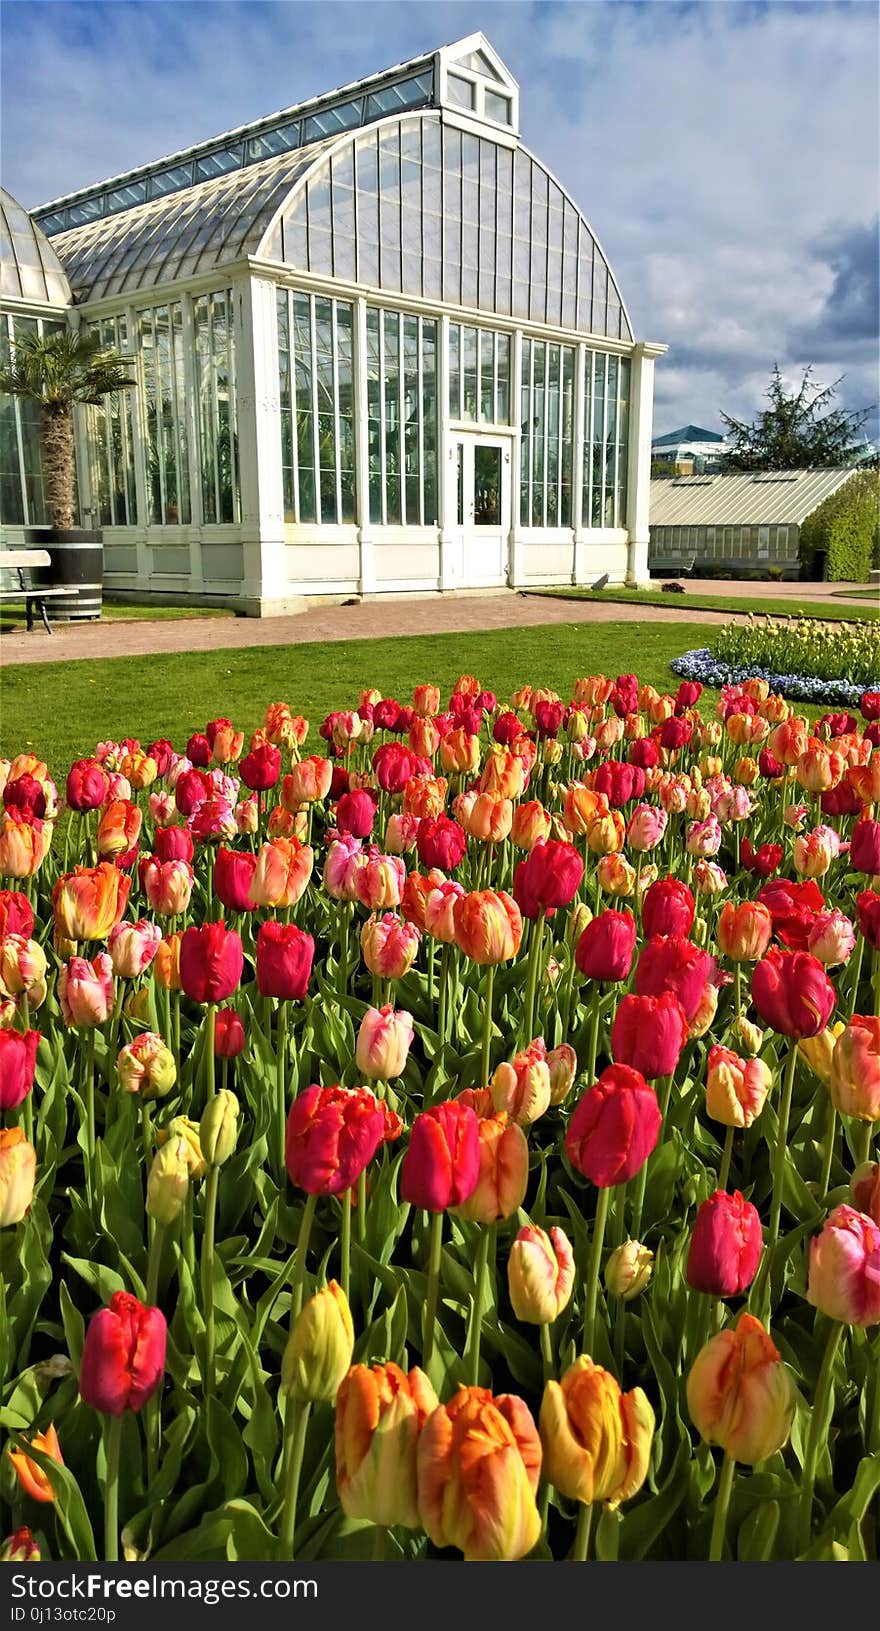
(22, 562)
(682, 567)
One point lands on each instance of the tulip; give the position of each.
(389, 946)
(439, 910)
(332, 1134)
(521, 1088)
(282, 873)
(740, 1394)
(123, 1357)
(25, 841)
(260, 769)
(378, 881)
(166, 963)
(596, 1438)
(85, 991)
(233, 876)
(736, 1089)
(865, 1190)
(479, 1460)
(540, 1274)
(356, 813)
(173, 844)
(146, 1067)
(442, 1162)
(33, 1480)
(167, 885)
(615, 875)
(562, 1065)
(606, 946)
(16, 914)
(793, 908)
(744, 931)
(211, 962)
(20, 1547)
(614, 1128)
(383, 1043)
(284, 956)
(218, 1128)
(168, 1182)
(671, 963)
(380, 1414)
(844, 1270)
(792, 993)
(832, 938)
(229, 1038)
(488, 926)
(646, 827)
(23, 969)
(549, 877)
(318, 1354)
(868, 917)
(90, 901)
(18, 1171)
(854, 1083)
(87, 785)
(189, 1149)
(531, 825)
(132, 947)
(503, 1173)
(864, 848)
(18, 1058)
(667, 908)
(628, 1270)
(726, 1245)
(118, 829)
(648, 1033)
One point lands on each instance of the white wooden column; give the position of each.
(514, 552)
(139, 452)
(264, 578)
(639, 464)
(581, 537)
(194, 462)
(367, 576)
(444, 445)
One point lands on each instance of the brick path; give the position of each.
(390, 616)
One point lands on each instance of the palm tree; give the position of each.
(56, 371)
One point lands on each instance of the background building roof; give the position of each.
(688, 433)
(770, 497)
(30, 270)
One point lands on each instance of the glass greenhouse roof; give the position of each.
(29, 267)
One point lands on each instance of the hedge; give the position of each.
(845, 527)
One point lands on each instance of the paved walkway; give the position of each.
(368, 620)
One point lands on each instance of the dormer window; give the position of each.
(472, 79)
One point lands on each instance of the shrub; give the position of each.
(806, 649)
(845, 529)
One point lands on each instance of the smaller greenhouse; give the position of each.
(747, 522)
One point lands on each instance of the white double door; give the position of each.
(478, 507)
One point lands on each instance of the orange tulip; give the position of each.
(582, 806)
(380, 1414)
(740, 1394)
(31, 1477)
(166, 963)
(89, 901)
(282, 873)
(479, 1461)
(504, 1172)
(460, 751)
(308, 783)
(24, 843)
(118, 828)
(597, 1439)
(503, 774)
(488, 926)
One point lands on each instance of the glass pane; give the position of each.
(487, 376)
(497, 107)
(460, 92)
(487, 486)
(469, 372)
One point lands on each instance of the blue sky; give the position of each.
(725, 153)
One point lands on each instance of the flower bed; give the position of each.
(805, 660)
(455, 1141)
(705, 666)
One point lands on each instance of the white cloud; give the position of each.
(726, 154)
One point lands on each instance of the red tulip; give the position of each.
(440, 842)
(725, 1245)
(649, 1033)
(191, 789)
(24, 792)
(675, 733)
(393, 765)
(550, 876)
(16, 914)
(18, 1059)
(606, 947)
(868, 917)
(670, 962)
(614, 1128)
(667, 908)
(198, 750)
(764, 860)
(332, 1134)
(211, 962)
(355, 813)
(442, 1162)
(870, 704)
(229, 1039)
(261, 768)
(792, 993)
(173, 844)
(793, 908)
(123, 1357)
(88, 785)
(620, 782)
(284, 961)
(233, 874)
(864, 847)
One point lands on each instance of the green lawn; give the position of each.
(13, 617)
(60, 710)
(859, 594)
(828, 610)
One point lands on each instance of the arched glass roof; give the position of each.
(412, 205)
(29, 267)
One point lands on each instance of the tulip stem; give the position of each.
(362, 1206)
(547, 1352)
(724, 1173)
(296, 1422)
(592, 1288)
(436, 1245)
(722, 1502)
(210, 1015)
(487, 1242)
(444, 993)
(857, 976)
(207, 1268)
(299, 1261)
(111, 1490)
(581, 1547)
(875, 965)
(863, 1154)
(281, 1090)
(828, 1152)
(154, 1260)
(823, 1404)
(345, 1243)
(487, 1026)
(781, 1145)
(594, 1033)
(89, 1096)
(535, 944)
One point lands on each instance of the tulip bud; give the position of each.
(628, 1270)
(751, 1036)
(20, 1548)
(146, 1067)
(818, 1051)
(218, 1128)
(319, 1351)
(540, 1274)
(190, 1149)
(18, 1171)
(168, 1182)
(562, 1064)
(33, 1480)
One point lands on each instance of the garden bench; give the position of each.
(682, 566)
(20, 563)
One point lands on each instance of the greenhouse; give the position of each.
(377, 348)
